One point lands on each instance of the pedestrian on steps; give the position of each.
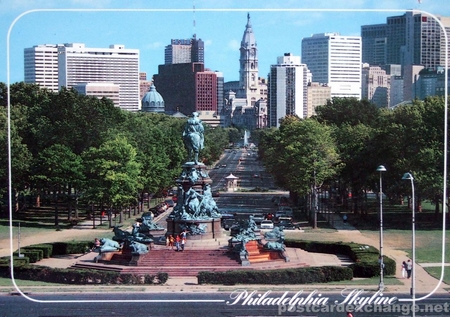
(177, 243)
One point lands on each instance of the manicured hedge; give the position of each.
(306, 275)
(34, 255)
(79, 276)
(47, 249)
(365, 257)
(6, 261)
(71, 247)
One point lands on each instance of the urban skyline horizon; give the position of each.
(277, 31)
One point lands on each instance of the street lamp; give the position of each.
(409, 176)
(381, 169)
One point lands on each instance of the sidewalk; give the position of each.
(424, 282)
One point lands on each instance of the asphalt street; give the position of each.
(237, 303)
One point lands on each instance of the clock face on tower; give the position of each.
(252, 53)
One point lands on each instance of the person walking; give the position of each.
(183, 242)
(403, 269)
(171, 241)
(177, 243)
(409, 268)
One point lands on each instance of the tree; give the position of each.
(57, 167)
(216, 140)
(20, 157)
(303, 154)
(113, 173)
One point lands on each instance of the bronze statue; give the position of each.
(193, 137)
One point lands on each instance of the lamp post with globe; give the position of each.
(381, 169)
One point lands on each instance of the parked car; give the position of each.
(258, 219)
(266, 224)
(288, 211)
(287, 225)
(159, 209)
(280, 213)
(146, 215)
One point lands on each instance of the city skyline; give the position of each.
(278, 30)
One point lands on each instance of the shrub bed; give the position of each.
(71, 247)
(80, 276)
(365, 257)
(6, 261)
(34, 255)
(307, 275)
(46, 248)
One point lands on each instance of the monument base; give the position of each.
(199, 229)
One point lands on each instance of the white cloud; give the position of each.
(234, 45)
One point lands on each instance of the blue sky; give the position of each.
(279, 26)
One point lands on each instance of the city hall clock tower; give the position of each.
(248, 71)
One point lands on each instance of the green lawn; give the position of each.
(436, 272)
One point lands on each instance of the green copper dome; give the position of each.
(152, 101)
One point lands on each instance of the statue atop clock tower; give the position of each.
(248, 71)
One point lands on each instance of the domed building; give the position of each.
(152, 101)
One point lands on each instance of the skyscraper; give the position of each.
(376, 85)
(334, 60)
(77, 64)
(374, 46)
(413, 38)
(71, 65)
(288, 83)
(41, 66)
(185, 51)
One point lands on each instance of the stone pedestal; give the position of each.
(211, 227)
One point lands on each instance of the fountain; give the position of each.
(246, 136)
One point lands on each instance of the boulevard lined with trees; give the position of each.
(67, 146)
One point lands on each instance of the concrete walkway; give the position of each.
(425, 283)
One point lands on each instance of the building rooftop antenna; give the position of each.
(193, 14)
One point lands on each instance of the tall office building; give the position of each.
(100, 90)
(288, 83)
(318, 95)
(144, 84)
(413, 38)
(376, 85)
(77, 64)
(334, 60)
(188, 87)
(185, 51)
(41, 66)
(374, 44)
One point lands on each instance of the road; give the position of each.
(243, 164)
(200, 304)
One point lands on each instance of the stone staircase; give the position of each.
(257, 254)
(211, 256)
(187, 263)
